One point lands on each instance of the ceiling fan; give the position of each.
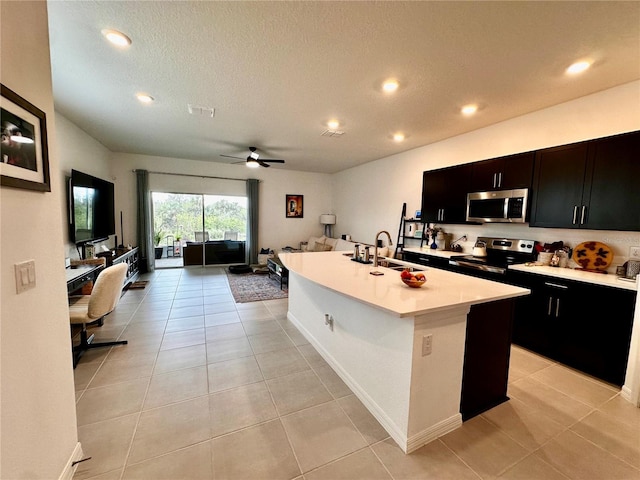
(254, 160)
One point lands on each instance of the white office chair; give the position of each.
(201, 236)
(91, 308)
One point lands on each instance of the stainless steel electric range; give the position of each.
(500, 253)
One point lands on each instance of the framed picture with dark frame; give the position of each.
(294, 207)
(24, 152)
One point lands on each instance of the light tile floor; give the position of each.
(210, 389)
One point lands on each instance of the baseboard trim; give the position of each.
(442, 428)
(70, 468)
(387, 423)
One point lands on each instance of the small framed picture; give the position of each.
(418, 215)
(294, 206)
(24, 155)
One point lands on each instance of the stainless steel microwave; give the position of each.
(506, 206)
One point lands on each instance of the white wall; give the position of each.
(369, 198)
(78, 151)
(37, 411)
(275, 230)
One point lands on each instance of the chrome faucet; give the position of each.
(375, 247)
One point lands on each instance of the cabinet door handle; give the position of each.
(557, 308)
(584, 209)
(499, 179)
(557, 285)
(494, 180)
(550, 302)
(575, 214)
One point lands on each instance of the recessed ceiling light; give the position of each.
(398, 137)
(469, 109)
(145, 98)
(117, 38)
(578, 67)
(333, 124)
(390, 86)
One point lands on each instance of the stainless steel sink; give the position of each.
(396, 266)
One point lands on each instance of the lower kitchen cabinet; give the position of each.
(486, 357)
(424, 259)
(584, 326)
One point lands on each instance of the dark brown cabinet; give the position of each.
(444, 194)
(613, 194)
(584, 326)
(486, 357)
(504, 173)
(590, 185)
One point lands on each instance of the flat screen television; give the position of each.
(91, 208)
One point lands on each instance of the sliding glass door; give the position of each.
(199, 229)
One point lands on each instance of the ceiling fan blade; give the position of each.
(262, 164)
(271, 160)
(231, 156)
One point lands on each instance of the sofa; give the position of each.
(216, 252)
(326, 244)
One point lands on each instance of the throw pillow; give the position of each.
(321, 247)
(332, 242)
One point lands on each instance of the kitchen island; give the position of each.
(408, 354)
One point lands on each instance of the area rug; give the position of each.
(252, 287)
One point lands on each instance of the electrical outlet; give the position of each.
(427, 342)
(634, 253)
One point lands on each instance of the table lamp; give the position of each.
(327, 220)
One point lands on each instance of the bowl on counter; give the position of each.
(414, 282)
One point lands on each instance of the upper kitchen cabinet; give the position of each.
(612, 198)
(590, 185)
(504, 173)
(557, 186)
(444, 194)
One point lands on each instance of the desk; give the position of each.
(80, 275)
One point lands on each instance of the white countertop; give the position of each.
(443, 289)
(607, 280)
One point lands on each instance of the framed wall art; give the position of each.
(294, 208)
(24, 154)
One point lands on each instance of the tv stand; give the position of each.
(124, 255)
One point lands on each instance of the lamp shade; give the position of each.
(328, 219)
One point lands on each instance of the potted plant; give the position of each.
(157, 238)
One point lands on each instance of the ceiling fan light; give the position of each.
(252, 163)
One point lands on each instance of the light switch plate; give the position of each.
(634, 253)
(25, 275)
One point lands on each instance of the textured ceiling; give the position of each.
(276, 72)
